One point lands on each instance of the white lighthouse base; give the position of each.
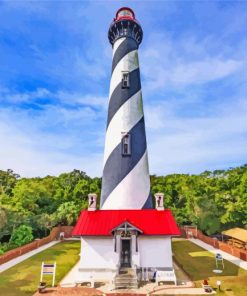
(100, 258)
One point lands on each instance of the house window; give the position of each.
(126, 144)
(125, 80)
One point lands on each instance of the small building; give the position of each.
(237, 237)
(112, 240)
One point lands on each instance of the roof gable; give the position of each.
(126, 226)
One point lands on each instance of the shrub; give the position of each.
(21, 236)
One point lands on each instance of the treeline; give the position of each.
(40, 203)
(214, 201)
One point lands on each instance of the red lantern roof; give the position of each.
(103, 222)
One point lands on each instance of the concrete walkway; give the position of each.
(226, 256)
(182, 291)
(70, 278)
(23, 257)
(149, 288)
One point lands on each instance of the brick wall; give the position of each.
(37, 243)
(67, 230)
(239, 253)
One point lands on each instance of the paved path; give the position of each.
(226, 256)
(23, 257)
(70, 278)
(149, 288)
(182, 291)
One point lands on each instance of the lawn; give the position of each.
(199, 265)
(23, 278)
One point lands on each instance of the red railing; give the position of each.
(36, 244)
(193, 232)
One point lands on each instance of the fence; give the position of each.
(36, 244)
(239, 253)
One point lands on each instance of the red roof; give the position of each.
(102, 222)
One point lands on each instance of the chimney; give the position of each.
(159, 199)
(92, 199)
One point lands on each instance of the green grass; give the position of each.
(23, 278)
(199, 265)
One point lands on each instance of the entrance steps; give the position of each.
(126, 279)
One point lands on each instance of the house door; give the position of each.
(126, 253)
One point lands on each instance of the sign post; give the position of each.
(218, 283)
(219, 259)
(48, 269)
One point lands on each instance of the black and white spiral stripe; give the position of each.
(125, 181)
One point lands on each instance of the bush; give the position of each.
(21, 236)
(4, 247)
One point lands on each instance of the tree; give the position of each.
(8, 180)
(67, 213)
(21, 235)
(3, 219)
(11, 220)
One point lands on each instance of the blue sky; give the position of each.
(55, 65)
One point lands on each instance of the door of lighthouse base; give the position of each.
(125, 258)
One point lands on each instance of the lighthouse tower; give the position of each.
(125, 181)
(126, 232)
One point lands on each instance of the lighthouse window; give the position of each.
(125, 80)
(124, 13)
(126, 144)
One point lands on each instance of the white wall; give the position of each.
(98, 252)
(155, 251)
(135, 256)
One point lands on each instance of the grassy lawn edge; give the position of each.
(23, 278)
(198, 264)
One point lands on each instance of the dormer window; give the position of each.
(125, 80)
(126, 149)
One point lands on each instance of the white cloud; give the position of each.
(78, 98)
(195, 144)
(62, 97)
(171, 63)
(32, 152)
(19, 153)
(55, 138)
(15, 97)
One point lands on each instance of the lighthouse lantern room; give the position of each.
(126, 235)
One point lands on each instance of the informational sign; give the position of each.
(166, 276)
(48, 268)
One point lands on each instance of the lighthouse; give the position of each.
(125, 181)
(126, 237)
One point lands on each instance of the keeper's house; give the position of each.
(113, 240)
